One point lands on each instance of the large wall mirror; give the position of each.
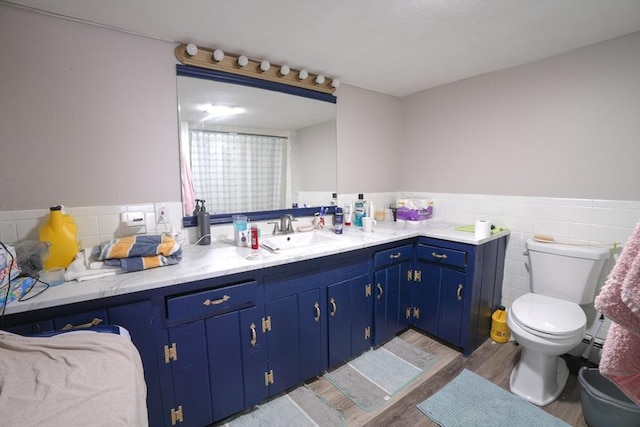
(252, 146)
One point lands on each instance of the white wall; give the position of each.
(566, 126)
(369, 141)
(88, 116)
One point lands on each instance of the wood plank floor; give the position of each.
(491, 361)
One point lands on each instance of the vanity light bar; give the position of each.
(201, 57)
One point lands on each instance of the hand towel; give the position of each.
(136, 253)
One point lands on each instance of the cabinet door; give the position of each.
(387, 286)
(310, 318)
(451, 304)
(254, 355)
(339, 298)
(350, 318)
(190, 373)
(426, 297)
(138, 319)
(225, 364)
(361, 314)
(284, 343)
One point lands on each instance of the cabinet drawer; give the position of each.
(442, 255)
(212, 302)
(392, 256)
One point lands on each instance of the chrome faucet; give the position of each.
(285, 225)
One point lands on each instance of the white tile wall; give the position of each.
(95, 224)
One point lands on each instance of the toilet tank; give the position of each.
(567, 272)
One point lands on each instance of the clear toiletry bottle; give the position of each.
(360, 210)
(334, 199)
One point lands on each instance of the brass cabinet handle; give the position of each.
(439, 256)
(317, 307)
(395, 256)
(334, 308)
(94, 322)
(254, 337)
(208, 302)
(459, 292)
(379, 291)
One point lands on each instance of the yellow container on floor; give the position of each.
(61, 232)
(499, 328)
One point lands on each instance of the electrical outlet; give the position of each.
(161, 214)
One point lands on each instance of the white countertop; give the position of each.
(222, 258)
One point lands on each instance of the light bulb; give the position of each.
(303, 74)
(243, 61)
(192, 49)
(264, 66)
(319, 79)
(218, 55)
(284, 70)
(335, 83)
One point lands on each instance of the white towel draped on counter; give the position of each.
(72, 379)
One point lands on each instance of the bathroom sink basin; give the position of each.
(287, 242)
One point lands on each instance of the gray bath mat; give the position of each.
(301, 408)
(374, 377)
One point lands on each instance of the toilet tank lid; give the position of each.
(587, 252)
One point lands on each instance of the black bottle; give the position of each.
(204, 226)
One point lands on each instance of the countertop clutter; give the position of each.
(222, 258)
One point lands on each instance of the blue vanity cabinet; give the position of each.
(456, 286)
(391, 289)
(216, 354)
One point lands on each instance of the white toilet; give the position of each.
(548, 321)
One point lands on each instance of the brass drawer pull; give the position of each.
(334, 308)
(439, 256)
(395, 256)
(459, 292)
(94, 322)
(208, 302)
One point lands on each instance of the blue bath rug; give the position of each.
(470, 400)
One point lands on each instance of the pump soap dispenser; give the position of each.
(204, 226)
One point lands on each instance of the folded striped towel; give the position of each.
(136, 253)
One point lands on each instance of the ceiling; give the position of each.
(395, 47)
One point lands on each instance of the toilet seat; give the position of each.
(548, 317)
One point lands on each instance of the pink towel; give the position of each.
(620, 362)
(609, 301)
(631, 288)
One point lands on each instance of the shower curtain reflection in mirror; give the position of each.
(237, 172)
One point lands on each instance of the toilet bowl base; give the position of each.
(538, 378)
